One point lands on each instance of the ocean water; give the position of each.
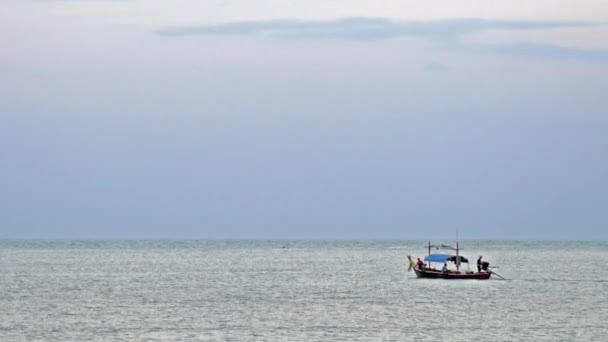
(307, 291)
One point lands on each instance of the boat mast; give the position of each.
(457, 253)
(429, 252)
(457, 258)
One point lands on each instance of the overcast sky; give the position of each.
(304, 119)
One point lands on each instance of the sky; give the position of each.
(320, 119)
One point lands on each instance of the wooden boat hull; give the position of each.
(428, 273)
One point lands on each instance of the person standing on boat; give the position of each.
(479, 264)
(420, 264)
(445, 267)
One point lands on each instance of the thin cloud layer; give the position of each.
(449, 32)
(548, 51)
(363, 28)
(436, 66)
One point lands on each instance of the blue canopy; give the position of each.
(444, 258)
(437, 257)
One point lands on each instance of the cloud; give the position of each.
(436, 66)
(448, 32)
(545, 51)
(361, 28)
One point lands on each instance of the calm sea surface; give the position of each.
(307, 291)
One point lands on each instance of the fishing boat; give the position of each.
(428, 269)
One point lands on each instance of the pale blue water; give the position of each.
(308, 291)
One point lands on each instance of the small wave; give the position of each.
(565, 280)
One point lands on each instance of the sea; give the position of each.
(288, 290)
